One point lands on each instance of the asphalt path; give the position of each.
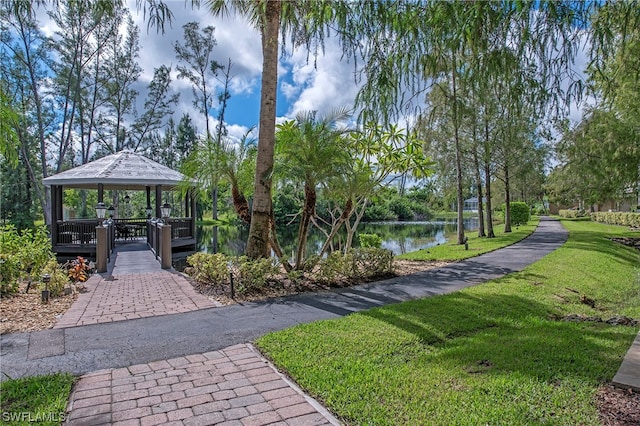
(84, 349)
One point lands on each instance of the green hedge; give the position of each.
(617, 218)
(571, 214)
(520, 213)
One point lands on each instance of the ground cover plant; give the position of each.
(41, 399)
(497, 353)
(451, 250)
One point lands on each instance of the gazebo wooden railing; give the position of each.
(182, 233)
(79, 236)
(69, 236)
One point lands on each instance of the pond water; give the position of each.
(399, 237)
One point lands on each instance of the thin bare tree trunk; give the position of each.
(507, 201)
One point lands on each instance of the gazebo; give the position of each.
(122, 171)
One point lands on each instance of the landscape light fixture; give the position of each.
(165, 210)
(45, 293)
(101, 209)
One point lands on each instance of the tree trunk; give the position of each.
(303, 230)
(456, 135)
(214, 202)
(346, 214)
(487, 180)
(507, 201)
(258, 242)
(240, 203)
(476, 167)
(275, 245)
(352, 229)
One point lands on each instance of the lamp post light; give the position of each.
(45, 293)
(101, 209)
(165, 210)
(111, 211)
(148, 210)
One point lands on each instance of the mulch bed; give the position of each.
(627, 241)
(26, 312)
(284, 286)
(618, 407)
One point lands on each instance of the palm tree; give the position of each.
(203, 163)
(303, 21)
(237, 163)
(266, 15)
(310, 149)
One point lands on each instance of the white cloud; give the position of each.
(323, 84)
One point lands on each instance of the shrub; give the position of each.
(520, 213)
(9, 274)
(252, 274)
(377, 212)
(402, 208)
(58, 278)
(372, 262)
(216, 269)
(420, 208)
(571, 214)
(334, 267)
(207, 268)
(617, 218)
(370, 240)
(25, 252)
(359, 263)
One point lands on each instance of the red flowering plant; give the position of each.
(79, 271)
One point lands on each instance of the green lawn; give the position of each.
(491, 354)
(41, 400)
(452, 251)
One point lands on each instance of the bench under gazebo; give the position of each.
(122, 171)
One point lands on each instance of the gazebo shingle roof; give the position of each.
(122, 170)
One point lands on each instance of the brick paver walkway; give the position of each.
(132, 296)
(233, 386)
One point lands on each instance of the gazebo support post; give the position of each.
(165, 246)
(102, 249)
(59, 202)
(158, 200)
(192, 197)
(54, 218)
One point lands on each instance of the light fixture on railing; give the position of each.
(165, 210)
(111, 211)
(101, 209)
(149, 210)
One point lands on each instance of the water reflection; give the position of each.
(399, 237)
